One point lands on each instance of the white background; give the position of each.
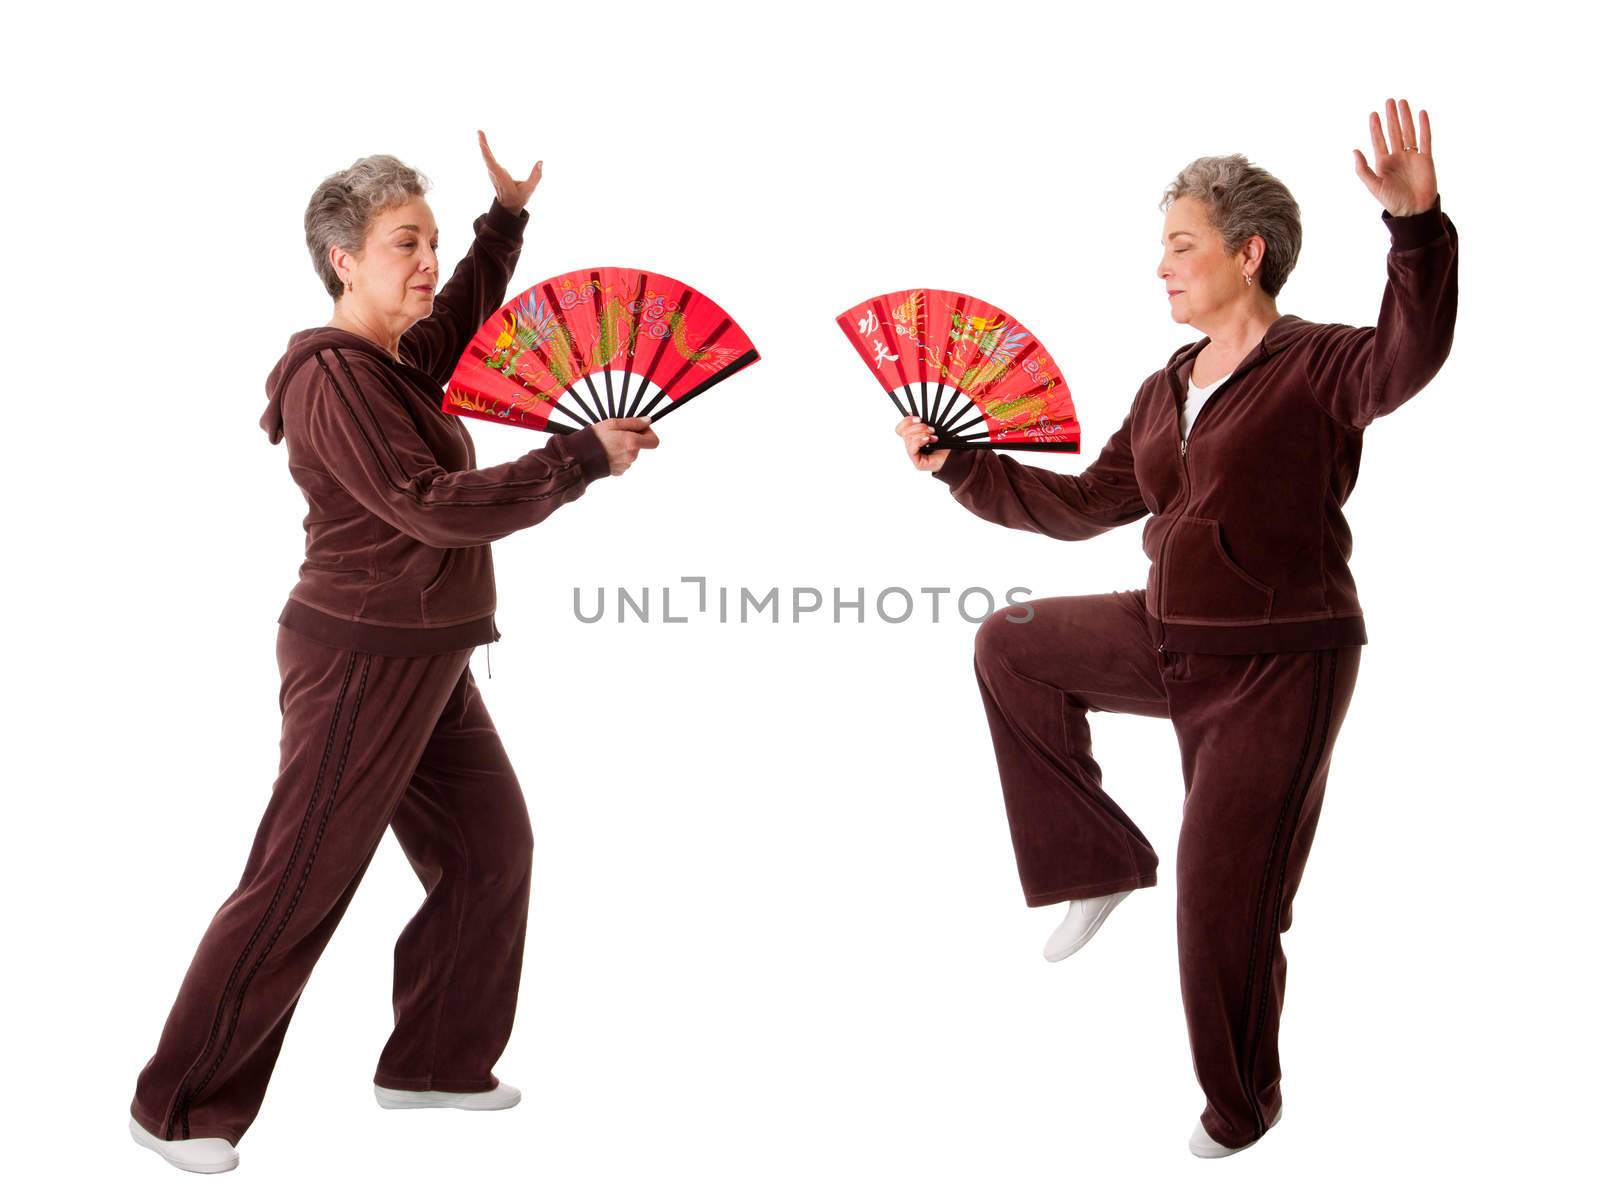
(777, 946)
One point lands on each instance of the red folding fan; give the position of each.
(589, 344)
(964, 367)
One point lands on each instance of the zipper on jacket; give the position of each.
(1183, 438)
(1256, 352)
(1183, 463)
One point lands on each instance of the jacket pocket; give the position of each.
(333, 567)
(442, 578)
(1201, 582)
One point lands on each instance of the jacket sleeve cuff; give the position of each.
(585, 446)
(1407, 233)
(505, 222)
(957, 467)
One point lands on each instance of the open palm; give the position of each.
(512, 192)
(1401, 175)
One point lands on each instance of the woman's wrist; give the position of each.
(1410, 230)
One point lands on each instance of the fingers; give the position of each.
(536, 174)
(1379, 150)
(488, 155)
(1408, 132)
(1396, 142)
(622, 456)
(916, 434)
(1426, 144)
(1365, 172)
(628, 435)
(629, 447)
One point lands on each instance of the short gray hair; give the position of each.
(343, 207)
(1243, 200)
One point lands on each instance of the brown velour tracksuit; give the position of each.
(1246, 636)
(383, 724)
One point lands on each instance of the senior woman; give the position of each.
(1242, 450)
(383, 724)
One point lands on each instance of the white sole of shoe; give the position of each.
(503, 1096)
(203, 1156)
(1201, 1145)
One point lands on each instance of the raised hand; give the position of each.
(917, 434)
(1401, 175)
(512, 193)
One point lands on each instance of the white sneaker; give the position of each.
(206, 1156)
(502, 1095)
(1202, 1146)
(1082, 922)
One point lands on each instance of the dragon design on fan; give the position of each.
(995, 339)
(970, 370)
(586, 346)
(528, 326)
(908, 316)
(531, 325)
(908, 323)
(460, 401)
(660, 319)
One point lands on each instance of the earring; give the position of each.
(1248, 282)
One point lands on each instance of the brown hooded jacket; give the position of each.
(399, 516)
(1249, 551)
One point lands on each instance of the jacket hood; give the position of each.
(301, 347)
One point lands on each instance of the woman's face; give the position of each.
(1201, 279)
(398, 271)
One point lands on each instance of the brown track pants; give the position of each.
(1255, 734)
(369, 742)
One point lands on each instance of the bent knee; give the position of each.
(1002, 638)
(505, 851)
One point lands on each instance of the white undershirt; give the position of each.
(1196, 399)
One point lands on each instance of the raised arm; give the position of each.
(477, 287)
(469, 298)
(1071, 507)
(336, 407)
(1359, 374)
